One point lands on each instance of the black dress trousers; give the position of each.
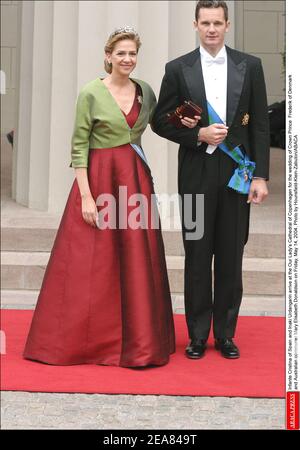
(226, 224)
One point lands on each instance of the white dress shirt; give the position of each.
(215, 80)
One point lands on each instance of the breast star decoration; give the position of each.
(245, 119)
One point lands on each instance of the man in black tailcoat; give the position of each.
(233, 83)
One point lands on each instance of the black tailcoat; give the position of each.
(226, 217)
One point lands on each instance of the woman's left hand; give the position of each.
(190, 123)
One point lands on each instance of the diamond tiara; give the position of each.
(125, 29)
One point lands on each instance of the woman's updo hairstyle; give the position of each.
(118, 35)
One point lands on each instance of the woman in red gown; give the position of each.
(105, 297)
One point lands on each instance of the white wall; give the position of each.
(260, 30)
(8, 62)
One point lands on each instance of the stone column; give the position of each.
(230, 37)
(21, 152)
(47, 87)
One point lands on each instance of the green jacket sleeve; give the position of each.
(81, 133)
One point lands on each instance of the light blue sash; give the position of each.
(140, 152)
(242, 177)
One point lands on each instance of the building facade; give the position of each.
(50, 49)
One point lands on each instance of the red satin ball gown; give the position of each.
(105, 296)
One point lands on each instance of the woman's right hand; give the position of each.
(89, 210)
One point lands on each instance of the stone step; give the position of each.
(32, 239)
(262, 276)
(251, 305)
(259, 245)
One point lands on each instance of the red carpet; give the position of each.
(260, 372)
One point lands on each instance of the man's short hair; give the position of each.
(211, 4)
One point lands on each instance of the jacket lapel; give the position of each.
(236, 71)
(192, 72)
(145, 102)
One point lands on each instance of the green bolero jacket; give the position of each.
(100, 123)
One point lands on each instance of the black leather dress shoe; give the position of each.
(196, 349)
(227, 348)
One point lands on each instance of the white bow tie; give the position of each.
(210, 60)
